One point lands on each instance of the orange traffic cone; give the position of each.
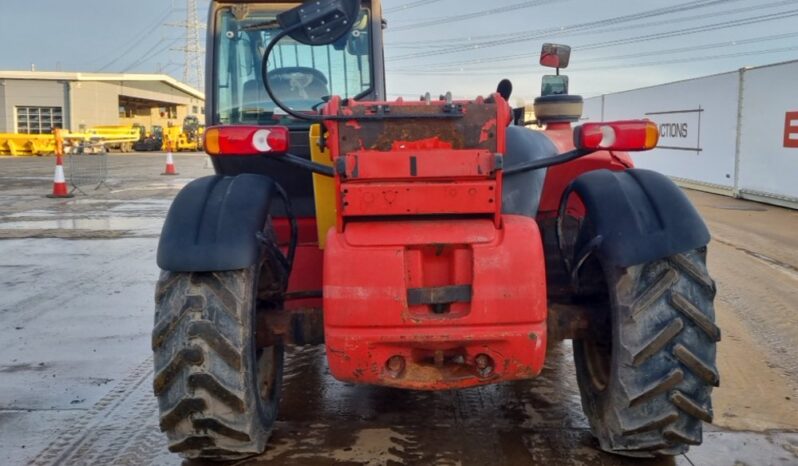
(170, 161)
(60, 189)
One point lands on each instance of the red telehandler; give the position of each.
(429, 245)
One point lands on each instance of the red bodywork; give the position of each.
(419, 219)
(559, 177)
(368, 319)
(426, 285)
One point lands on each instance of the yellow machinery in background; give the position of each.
(27, 144)
(188, 138)
(179, 140)
(118, 138)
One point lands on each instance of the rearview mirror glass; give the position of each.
(320, 23)
(554, 85)
(555, 55)
(359, 43)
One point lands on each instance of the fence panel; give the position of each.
(87, 167)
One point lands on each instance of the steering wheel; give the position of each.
(300, 82)
(291, 70)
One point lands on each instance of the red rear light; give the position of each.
(632, 135)
(246, 140)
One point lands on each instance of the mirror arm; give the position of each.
(551, 161)
(267, 85)
(291, 159)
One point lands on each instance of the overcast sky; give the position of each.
(465, 46)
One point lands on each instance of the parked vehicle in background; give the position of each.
(185, 138)
(149, 141)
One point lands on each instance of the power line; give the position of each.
(693, 59)
(653, 53)
(152, 53)
(442, 43)
(524, 36)
(694, 30)
(476, 14)
(410, 5)
(137, 39)
(692, 48)
(647, 37)
(169, 66)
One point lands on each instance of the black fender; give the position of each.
(214, 223)
(638, 216)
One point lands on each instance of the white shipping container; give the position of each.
(594, 107)
(733, 133)
(697, 120)
(768, 161)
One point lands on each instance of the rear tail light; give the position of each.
(246, 140)
(632, 135)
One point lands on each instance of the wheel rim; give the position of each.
(266, 374)
(597, 352)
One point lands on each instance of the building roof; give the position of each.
(72, 76)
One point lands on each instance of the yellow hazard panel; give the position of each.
(323, 188)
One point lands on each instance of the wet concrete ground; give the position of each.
(76, 285)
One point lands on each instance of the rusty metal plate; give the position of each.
(476, 129)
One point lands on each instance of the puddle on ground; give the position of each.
(77, 201)
(145, 208)
(153, 207)
(88, 219)
(176, 184)
(107, 223)
(28, 214)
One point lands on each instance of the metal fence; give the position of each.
(87, 166)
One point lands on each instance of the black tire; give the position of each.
(646, 372)
(217, 392)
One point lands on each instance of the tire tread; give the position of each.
(661, 380)
(202, 343)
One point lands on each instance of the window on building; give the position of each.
(127, 111)
(169, 112)
(39, 120)
(194, 109)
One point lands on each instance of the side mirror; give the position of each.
(321, 22)
(555, 56)
(359, 43)
(554, 85)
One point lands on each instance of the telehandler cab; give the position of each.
(430, 244)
